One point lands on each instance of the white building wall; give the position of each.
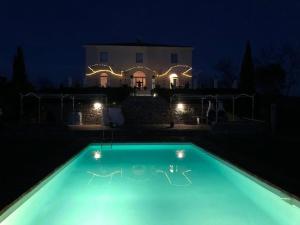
(121, 58)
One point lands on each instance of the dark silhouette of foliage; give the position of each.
(291, 62)
(247, 82)
(270, 78)
(288, 56)
(226, 69)
(19, 75)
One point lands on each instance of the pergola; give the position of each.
(216, 98)
(61, 97)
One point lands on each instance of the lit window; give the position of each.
(103, 57)
(139, 57)
(174, 58)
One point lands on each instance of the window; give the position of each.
(103, 57)
(174, 58)
(139, 57)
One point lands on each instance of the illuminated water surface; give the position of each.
(151, 184)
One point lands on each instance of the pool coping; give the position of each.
(257, 179)
(282, 194)
(11, 207)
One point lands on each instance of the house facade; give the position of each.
(138, 65)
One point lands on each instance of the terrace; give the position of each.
(140, 133)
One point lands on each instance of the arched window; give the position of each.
(139, 79)
(103, 80)
(174, 82)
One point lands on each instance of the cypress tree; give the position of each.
(247, 83)
(19, 75)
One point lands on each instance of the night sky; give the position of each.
(52, 32)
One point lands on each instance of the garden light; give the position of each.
(97, 105)
(180, 107)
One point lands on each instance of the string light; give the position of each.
(111, 71)
(139, 67)
(185, 72)
(172, 67)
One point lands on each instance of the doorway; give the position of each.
(173, 81)
(139, 80)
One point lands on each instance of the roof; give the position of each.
(138, 43)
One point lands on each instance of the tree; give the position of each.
(19, 75)
(247, 82)
(226, 69)
(288, 56)
(270, 78)
(291, 62)
(44, 83)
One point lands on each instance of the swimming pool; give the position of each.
(151, 184)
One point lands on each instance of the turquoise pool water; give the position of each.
(151, 184)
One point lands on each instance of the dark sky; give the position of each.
(52, 32)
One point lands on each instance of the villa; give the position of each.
(138, 65)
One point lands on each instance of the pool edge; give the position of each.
(10, 208)
(269, 186)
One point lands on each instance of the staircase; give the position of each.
(145, 110)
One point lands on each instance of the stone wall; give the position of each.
(91, 115)
(146, 110)
(51, 112)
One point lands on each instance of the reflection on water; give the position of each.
(174, 172)
(97, 155)
(175, 175)
(104, 175)
(180, 154)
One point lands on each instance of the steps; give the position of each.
(145, 110)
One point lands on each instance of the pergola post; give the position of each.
(106, 103)
(202, 110)
(253, 107)
(39, 110)
(21, 106)
(73, 103)
(233, 108)
(216, 108)
(61, 108)
(171, 112)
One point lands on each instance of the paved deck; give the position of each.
(143, 127)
